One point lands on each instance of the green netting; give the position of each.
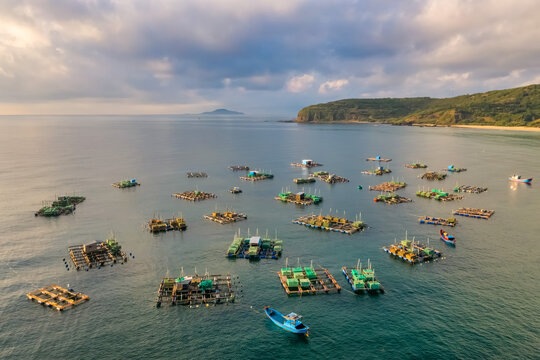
(292, 283)
(205, 285)
(286, 272)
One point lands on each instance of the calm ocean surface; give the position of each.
(481, 301)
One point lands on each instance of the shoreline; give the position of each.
(485, 127)
(493, 127)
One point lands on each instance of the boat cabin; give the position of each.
(91, 247)
(295, 320)
(255, 241)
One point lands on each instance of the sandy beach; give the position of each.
(489, 127)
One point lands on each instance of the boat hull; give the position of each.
(449, 239)
(526, 181)
(278, 319)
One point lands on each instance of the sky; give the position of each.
(256, 56)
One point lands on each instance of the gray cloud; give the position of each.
(170, 54)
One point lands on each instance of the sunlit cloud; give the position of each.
(259, 55)
(333, 85)
(300, 83)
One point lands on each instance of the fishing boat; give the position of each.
(447, 238)
(517, 178)
(291, 322)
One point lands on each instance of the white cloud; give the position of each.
(300, 83)
(333, 85)
(454, 77)
(232, 51)
(161, 69)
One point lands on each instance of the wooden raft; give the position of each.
(187, 290)
(226, 217)
(323, 283)
(101, 257)
(474, 213)
(57, 297)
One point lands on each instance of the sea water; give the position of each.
(480, 301)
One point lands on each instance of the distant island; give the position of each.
(518, 107)
(222, 112)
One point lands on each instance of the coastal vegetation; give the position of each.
(511, 107)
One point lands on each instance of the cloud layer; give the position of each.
(263, 56)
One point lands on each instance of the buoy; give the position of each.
(359, 187)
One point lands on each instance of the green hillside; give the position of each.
(512, 107)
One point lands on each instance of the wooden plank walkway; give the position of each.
(57, 297)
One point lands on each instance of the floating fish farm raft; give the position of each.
(390, 186)
(256, 176)
(68, 200)
(196, 290)
(330, 223)
(416, 166)
(255, 247)
(391, 199)
(470, 189)
(451, 168)
(329, 178)
(226, 217)
(362, 280)
(432, 175)
(378, 171)
(412, 252)
(63, 205)
(304, 180)
(55, 210)
(157, 225)
(299, 198)
(126, 184)
(239, 168)
(235, 190)
(97, 254)
(438, 195)
(474, 213)
(194, 195)
(306, 164)
(197, 175)
(307, 281)
(57, 297)
(378, 158)
(437, 221)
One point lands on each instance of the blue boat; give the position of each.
(447, 238)
(291, 322)
(517, 178)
